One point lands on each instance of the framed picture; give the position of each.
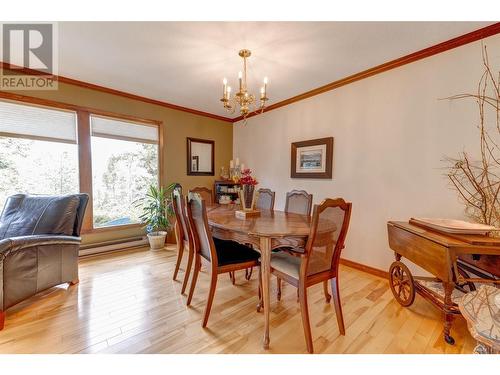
(312, 159)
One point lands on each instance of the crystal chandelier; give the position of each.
(246, 101)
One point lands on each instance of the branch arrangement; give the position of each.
(478, 180)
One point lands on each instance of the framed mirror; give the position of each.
(200, 157)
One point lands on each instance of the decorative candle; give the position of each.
(231, 164)
(224, 89)
(240, 75)
(262, 93)
(228, 92)
(237, 161)
(242, 167)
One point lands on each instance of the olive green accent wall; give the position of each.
(177, 126)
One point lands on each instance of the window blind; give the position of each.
(25, 121)
(118, 129)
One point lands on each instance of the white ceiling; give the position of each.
(184, 62)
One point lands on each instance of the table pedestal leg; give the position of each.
(265, 264)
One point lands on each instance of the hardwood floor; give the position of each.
(127, 303)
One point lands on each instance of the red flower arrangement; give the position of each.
(246, 178)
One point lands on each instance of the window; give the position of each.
(124, 165)
(48, 147)
(38, 151)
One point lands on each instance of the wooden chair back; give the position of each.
(205, 193)
(198, 223)
(298, 202)
(330, 222)
(178, 187)
(179, 207)
(265, 200)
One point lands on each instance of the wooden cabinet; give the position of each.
(228, 188)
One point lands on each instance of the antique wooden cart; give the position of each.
(450, 258)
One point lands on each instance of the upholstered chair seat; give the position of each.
(231, 252)
(286, 263)
(289, 264)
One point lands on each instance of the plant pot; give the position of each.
(157, 240)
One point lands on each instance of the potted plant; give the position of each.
(157, 210)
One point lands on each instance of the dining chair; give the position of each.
(183, 235)
(299, 202)
(205, 193)
(319, 261)
(220, 256)
(265, 199)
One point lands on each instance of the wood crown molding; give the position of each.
(412, 57)
(107, 90)
(419, 55)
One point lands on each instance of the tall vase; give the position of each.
(248, 195)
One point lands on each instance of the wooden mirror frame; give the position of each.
(190, 172)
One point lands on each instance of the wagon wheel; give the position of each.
(401, 283)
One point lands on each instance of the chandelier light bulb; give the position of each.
(265, 80)
(240, 75)
(224, 89)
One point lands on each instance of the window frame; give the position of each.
(127, 119)
(83, 134)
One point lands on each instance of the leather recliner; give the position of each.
(39, 243)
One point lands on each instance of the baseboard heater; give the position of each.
(110, 246)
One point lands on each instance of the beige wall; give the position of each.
(391, 134)
(177, 126)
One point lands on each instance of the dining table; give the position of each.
(269, 230)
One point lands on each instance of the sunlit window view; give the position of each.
(122, 172)
(38, 151)
(37, 167)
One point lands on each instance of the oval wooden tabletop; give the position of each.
(268, 224)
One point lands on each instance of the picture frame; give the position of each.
(312, 158)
